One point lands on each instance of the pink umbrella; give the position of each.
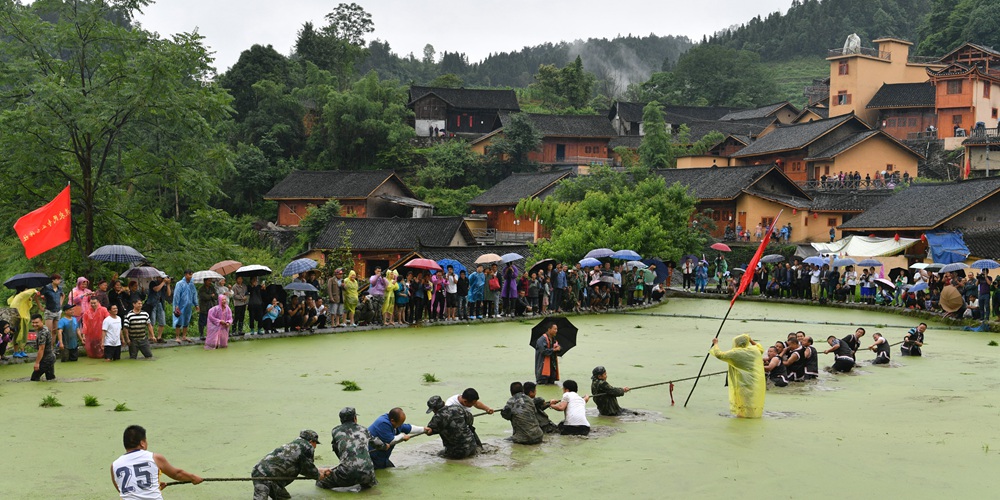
(423, 264)
(722, 247)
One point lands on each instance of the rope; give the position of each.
(777, 320)
(232, 479)
(663, 383)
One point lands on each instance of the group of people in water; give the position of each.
(795, 359)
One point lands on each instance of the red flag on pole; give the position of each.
(45, 228)
(752, 266)
(968, 166)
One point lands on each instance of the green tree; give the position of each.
(451, 164)
(448, 201)
(339, 45)
(109, 108)
(720, 76)
(255, 64)
(509, 151)
(656, 150)
(447, 80)
(570, 86)
(648, 217)
(317, 219)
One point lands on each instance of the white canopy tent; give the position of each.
(864, 246)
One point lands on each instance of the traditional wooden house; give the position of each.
(381, 242)
(982, 153)
(468, 112)
(626, 117)
(361, 193)
(498, 203)
(577, 141)
(783, 112)
(967, 89)
(921, 209)
(905, 110)
(807, 152)
(744, 196)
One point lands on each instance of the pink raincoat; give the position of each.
(220, 318)
(93, 331)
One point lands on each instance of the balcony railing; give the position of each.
(485, 236)
(584, 160)
(514, 237)
(922, 136)
(990, 133)
(864, 51)
(833, 184)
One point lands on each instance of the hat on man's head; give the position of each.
(309, 435)
(348, 414)
(435, 403)
(67, 307)
(599, 370)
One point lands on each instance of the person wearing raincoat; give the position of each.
(475, 296)
(747, 382)
(93, 329)
(389, 305)
(220, 318)
(350, 291)
(22, 302)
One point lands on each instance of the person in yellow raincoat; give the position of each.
(389, 304)
(23, 302)
(747, 382)
(350, 291)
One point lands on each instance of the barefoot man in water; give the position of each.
(747, 382)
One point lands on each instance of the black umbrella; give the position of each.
(541, 265)
(28, 280)
(566, 335)
(896, 271)
(661, 269)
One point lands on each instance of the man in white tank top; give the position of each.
(136, 473)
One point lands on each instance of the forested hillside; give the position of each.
(811, 27)
(619, 61)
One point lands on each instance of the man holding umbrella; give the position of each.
(546, 361)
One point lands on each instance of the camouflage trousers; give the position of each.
(341, 477)
(263, 490)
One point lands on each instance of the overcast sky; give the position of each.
(475, 27)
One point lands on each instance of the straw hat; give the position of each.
(951, 299)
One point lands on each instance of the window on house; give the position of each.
(891, 122)
(889, 167)
(986, 89)
(766, 222)
(994, 112)
(587, 149)
(956, 119)
(955, 87)
(911, 122)
(291, 208)
(843, 98)
(843, 67)
(831, 222)
(805, 220)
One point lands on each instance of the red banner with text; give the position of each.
(47, 227)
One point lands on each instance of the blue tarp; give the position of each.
(947, 247)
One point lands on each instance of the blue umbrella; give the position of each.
(510, 257)
(957, 266)
(772, 258)
(815, 260)
(300, 286)
(985, 264)
(117, 253)
(626, 255)
(597, 253)
(456, 265)
(299, 266)
(846, 261)
(918, 287)
(590, 262)
(870, 263)
(661, 269)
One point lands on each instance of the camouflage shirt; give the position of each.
(520, 410)
(290, 460)
(454, 424)
(543, 419)
(606, 405)
(350, 444)
(44, 338)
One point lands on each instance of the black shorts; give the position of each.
(843, 364)
(910, 351)
(451, 300)
(573, 430)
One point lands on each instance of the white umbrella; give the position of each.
(635, 264)
(920, 265)
(201, 276)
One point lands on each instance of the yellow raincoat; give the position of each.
(23, 302)
(747, 382)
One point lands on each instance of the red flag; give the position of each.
(45, 228)
(968, 166)
(752, 266)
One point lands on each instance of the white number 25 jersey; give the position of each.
(137, 476)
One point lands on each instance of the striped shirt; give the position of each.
(136, 323)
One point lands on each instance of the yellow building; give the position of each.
(857, 73)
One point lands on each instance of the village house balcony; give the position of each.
(864, 51)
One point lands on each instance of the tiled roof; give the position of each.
(784, 199)
(393, 233)
(715, 183)
(761, 112)
(748, 127)
(789, 137)
(518, 186)
(924, 206)
(632, 112)
(821, 111)
(903, 95)
(491, 99)
(983, 242)
(329, 184)
(629, 141)
(842, 146)
(853, 201)
(569, 125)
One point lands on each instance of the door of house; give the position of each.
(741, 219)
(560, 152)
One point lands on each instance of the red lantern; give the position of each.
(489, 213)
(923, 238)
(896, 237)
(473, 211)
(815, 215)
(795, 211)
(359, 256)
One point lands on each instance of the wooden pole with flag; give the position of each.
(46, 227)
(744, 282)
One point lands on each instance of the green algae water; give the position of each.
(920, 428)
